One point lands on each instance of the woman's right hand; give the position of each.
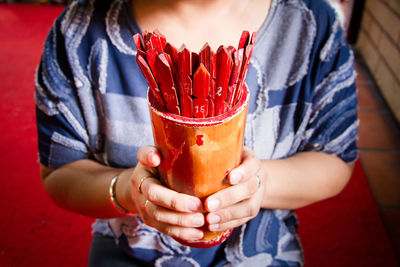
(170, 212)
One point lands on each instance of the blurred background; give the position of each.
(50, 2)
(373, 30)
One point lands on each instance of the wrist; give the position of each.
(123, 194)
(266, 184)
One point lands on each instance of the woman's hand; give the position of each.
(170, 212)
(237, 204)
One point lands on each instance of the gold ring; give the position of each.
(141, 183)
(145, 204)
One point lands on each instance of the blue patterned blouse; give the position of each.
(91, 103)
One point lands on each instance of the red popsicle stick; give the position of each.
(200, 108)
(224, 68)
(231, 49)
(206, 57)
(163, 71)
(173, 55)
(243, 71)
(185, 95)
(184, 81)
(185, 85)
(151, 59)
(226, 106)
(147, 40)
(163, 40)
(184, 61)
(172, 52)
(186, 102)
(201, 87)
(166, 83)
(237, 58)
(211, 94)
(231, 95)
(144, 33)
(246, 62)
(211, 107)
(156, 43)
(244, 39)
(201, 82)
(253, 38)
(138, 40)
(144, 67)
(171, 100)
(214, 65)
(195, 61)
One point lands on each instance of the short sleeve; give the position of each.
(62, 137)
(333, 124)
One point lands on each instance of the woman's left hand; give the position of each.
(239, 203)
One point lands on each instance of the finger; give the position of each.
(246, 209)
(228, 225)
(154, 191)
(141, 174)
(149, 156)
(183, 233)
(163, 215)
(232, 195)
(249, 166)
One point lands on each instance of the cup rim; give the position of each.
(203, 122)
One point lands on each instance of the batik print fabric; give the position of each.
(91, 103)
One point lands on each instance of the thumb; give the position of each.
(149, 156)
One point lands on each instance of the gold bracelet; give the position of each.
(113, 198)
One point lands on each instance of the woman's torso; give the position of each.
(112, 118)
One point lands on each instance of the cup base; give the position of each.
(210, 239)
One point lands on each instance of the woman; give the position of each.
(95, 133)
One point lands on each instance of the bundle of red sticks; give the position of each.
(190, 84)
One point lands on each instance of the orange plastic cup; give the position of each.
(198, 154)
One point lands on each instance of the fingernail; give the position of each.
(150, 156)
(194, 205)
(153, 158)
(197, 234)
(213, 219)
(235, 177)
(213, 204)
(197, 220)
(156, 160)
(214, 227)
